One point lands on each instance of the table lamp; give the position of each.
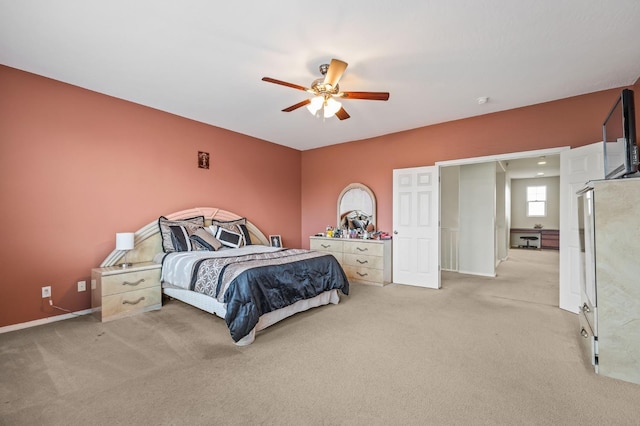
(124, 241)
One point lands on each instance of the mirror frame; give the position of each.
(368, 191)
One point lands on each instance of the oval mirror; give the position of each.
(357, 208)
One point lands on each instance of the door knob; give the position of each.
(395, 232)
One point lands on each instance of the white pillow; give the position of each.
(226, 237)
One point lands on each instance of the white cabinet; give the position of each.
(610, 306)
(364, 261)
(119, 292)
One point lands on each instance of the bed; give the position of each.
(245, 281)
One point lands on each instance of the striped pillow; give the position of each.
(180, 238)
(204, 239)
(191, 225)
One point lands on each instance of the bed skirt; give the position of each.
(211, 305)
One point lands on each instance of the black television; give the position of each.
(619, 138)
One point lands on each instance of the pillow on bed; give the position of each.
(226, 237)
(238, 226)
(205, 240)
(191, 225)
(181, 238)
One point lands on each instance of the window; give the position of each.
(536, 200)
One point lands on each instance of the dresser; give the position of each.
(118, 292)
(609, 314)
(547, 238)
(364, 261)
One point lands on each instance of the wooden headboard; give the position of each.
(148, 242)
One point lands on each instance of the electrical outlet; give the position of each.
(46, 292)
(82, 286)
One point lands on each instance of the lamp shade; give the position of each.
(315, 104)
(124, 240)
(331, 106)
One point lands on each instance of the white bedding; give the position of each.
(178, 267)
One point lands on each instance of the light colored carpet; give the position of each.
(480, 351)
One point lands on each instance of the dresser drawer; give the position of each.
(126, 282)
(363, 261)
(327, 245)
(361, 247)
(367, 275)
(131, 302)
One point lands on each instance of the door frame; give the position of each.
(507, 157)
(503, 157)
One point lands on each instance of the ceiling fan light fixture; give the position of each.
(331, 106)
(315, 104)
(324, 90)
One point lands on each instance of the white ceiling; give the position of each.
(533, 167)
(204, 59)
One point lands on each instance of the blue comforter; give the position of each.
(254, 285)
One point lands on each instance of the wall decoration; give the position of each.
(203, 160)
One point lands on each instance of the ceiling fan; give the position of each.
(325, 91)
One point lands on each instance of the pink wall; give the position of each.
(77, 166)
(326, 171)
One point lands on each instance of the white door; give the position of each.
(416, 227)
(577, 167)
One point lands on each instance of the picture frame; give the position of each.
(275, 240)
(203, 160)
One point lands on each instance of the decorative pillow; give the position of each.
(191, 225)
(180, 238)
(205, 240)
(238, 226)
(228, 238)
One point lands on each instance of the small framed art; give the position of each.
(276, 240)
(203, 160)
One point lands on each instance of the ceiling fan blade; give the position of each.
(372, 96)
(335, 71)
(342, 114)
(284, 83)
(296, 106)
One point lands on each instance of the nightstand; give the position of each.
(118, 292)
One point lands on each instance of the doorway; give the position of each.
(577, 167)
(476, 200)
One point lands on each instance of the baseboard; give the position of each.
(477, 274)
(35, 323)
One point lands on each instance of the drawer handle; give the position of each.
(363, 275)
(141, 280)
(584, 333)
(362, 249)
(325, 246)
(362, 262)
(126, 302)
